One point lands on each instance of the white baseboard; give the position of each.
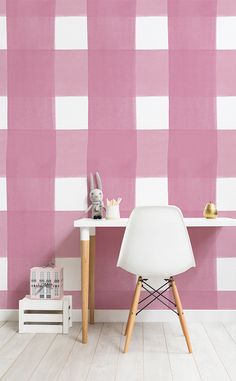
(145, 316)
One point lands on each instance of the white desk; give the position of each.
(87, 243)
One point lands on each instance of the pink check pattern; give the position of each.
(144, 91)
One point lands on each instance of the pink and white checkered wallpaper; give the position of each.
(143, 91)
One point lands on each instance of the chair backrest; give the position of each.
(156, 242)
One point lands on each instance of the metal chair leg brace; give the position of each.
(157, 297)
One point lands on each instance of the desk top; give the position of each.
(122, 222)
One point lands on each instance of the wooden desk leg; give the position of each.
(84, 246)
(91, 274)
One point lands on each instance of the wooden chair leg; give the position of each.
(132, 314)
(127, 324)
(130, 311)
(181, 315)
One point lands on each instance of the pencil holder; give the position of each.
(112, 212)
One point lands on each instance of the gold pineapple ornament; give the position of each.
(210, 210)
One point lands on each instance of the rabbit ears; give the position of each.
(98, 179)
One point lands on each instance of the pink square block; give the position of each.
(18, 274)
(191, 194)
(191, 73)
(71, 7)
(200, 30)
(112, 113)
(152, 72)
(117, 300)
(104, 8)
(28, 8)
(108, 276)
(13, 297)
(2, 7)
(115, 187)
(191, 113)
(226, 153)
(191, 155)
(199, 300)
(121, 32)
(30, 73)
(76, 297)
(113, 74)
(115, 153)
(152, 153)
(71, 72)
(30, 236)
(32, 32)
(226, 242)
(71, 158)
(225, 72)
(30, 194)
(188, 8)
(31, 113)
(66, 236)
(226, 8)
(203, 276)
(3, 299)
(226, 300)
(37, 160)
(151, 7)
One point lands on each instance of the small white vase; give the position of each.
(113, 212)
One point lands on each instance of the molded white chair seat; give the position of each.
(156, 244)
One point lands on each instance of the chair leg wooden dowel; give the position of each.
(132, 315)
(181, 315)
(131, 308)
(127, 325)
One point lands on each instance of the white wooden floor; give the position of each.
(157, 352)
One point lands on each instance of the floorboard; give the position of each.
(80, 359)
(130, 365)
(157, 352)
(224, 346)
(156, 361)
(55, 358)
(183, 365)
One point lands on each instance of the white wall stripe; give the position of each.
(71, 32)
(151, 191)
(3, 194)
(70, 193)
(225, 33)
(226, 193)
(3, 112)
(226, 113)
(71, 273)
(71, 113)
(3, 274)
(152, 32)
(3, 32)
(226, 274)
(152, 113)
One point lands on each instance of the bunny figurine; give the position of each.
(96, 197)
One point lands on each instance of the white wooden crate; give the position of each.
(45, 316)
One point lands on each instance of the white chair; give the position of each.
(156, 245)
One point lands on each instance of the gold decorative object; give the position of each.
(210, 210)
